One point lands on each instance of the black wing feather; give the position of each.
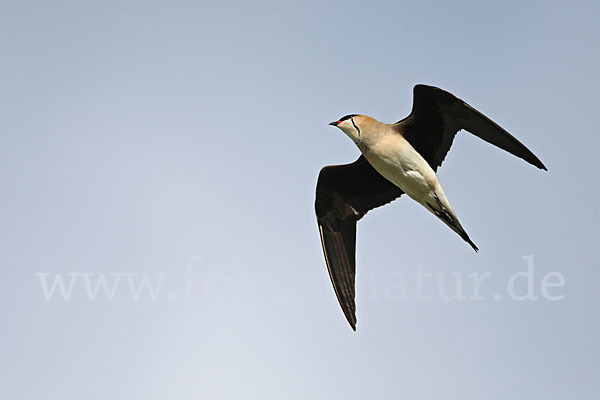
(345, 193)
(437, 116)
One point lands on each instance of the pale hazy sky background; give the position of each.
(152, 137)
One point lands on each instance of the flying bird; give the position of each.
(400, 158)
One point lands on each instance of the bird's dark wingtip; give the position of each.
(540, 165)
(350, 315)
(537, 162)
(352, 321)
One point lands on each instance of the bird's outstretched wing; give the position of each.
(345, 193)
(437, 116)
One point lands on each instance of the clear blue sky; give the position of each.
(181, 141)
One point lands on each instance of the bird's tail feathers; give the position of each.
(448, 217)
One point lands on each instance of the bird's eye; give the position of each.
(345, 117)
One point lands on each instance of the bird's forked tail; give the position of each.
(447, 216)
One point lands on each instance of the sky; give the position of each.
(158, 162)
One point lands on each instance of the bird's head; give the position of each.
(352, 125)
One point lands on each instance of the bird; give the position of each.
(396, 159)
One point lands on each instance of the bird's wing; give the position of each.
(345, 193)
(437, 116)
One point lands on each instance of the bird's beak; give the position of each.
(334, 123)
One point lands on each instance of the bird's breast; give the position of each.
(397, 161)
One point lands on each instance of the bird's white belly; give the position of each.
(397, 161)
